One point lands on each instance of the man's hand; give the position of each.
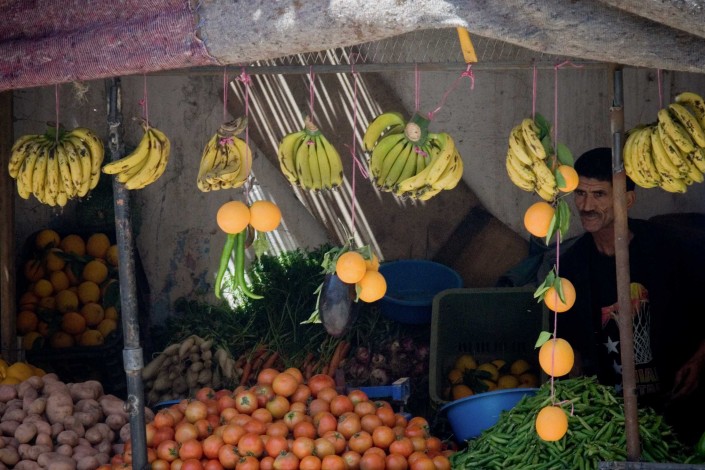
(689, 375)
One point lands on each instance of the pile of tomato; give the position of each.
(285, 423)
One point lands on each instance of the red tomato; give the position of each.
(276, 445)
(352, 459)
(402, 446)
(441, 462)
(191, 464)
(263, 392)
(333, 462)
(250, 444)
(168, 450)
(296, 372)
(205, 394)
(372, 461)
(348, 424)
(185, 431)
(360, 442)
(365, 407)
(266, 376)
(262, 414)
(317, 405)
(211, 446)
(337, 439)
(327, 393)
(423, 463)
(387, 416)
(304, 428)
(396, 462)
(163, 418)
(195, 410)
(162, 434)
(323, 447)
(320, 381)
(324, 422)
(158, 464)
(284, 384)
(301, 394)
(278, 405)
(228, 456)
(413, 430)
(246, 402)
(286, 461)
(247, 463)
(357, 396)
(292, 418)
(232, 434)
(267, 463)
(226, 400)
(211, 465)
(383, 436)
(370, 422)
(190, 449)
(310, 462)
(277, 428)
(340, 404)
(255, 426)
(303, 446)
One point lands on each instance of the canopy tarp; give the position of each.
(47, 42)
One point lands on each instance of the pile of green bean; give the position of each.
(595, 433)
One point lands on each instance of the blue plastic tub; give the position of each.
(471, 415)
(411, 286)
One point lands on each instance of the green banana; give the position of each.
(303, 170)
(400, 163)
(377, 127)
(381, 150)
(335, 163)
(323, 163)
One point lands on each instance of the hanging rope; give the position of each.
(533, 92)
(56, 102)
(246, 80)
(144, 103)
(357, 164)
(466, 73)
(417, 88)
(659, 72)
(555, 94)
(311, 92)
(225, 94)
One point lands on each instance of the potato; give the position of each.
(115, 422)
(90, 389)
(28, 397)
(55, 386)
(67, 437)
(36, 406)
(98, 433)
(72, 424)
(90, 406)
(56, 461)
(64, 449)
(36, 382)
(104, 446)
(125, 433)
(81, 451)
(9, 456)
(32, 452)
(42, 426)
(7, 392)
(14, 404)
(27, 465)
(8, 428)
(56, 428)
(44, 439)
(148, 415)
(59, 406)
(86, 419)
(14, 415)
(87, 463)
(103, 458)
(25, 432)
(112, 405)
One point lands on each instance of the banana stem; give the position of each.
(416, 130)
(224, 260)
(240, 265)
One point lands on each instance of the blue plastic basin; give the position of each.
(411, 286)
(469, 416)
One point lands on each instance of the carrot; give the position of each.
(307, 360)
(308, 370)
(270, 360)
(246, 372)
(335, 360)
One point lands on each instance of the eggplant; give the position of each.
(336, 306)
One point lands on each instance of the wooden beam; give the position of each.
(8, 338)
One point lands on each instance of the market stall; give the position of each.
(262, 137)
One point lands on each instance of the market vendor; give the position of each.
(668, 281)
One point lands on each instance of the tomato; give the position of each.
(264, 393)
(422, 463)
(247, 463)
(240, 419)
(176, 464)
(162, 434)
(352, 459)
(304, 428)
(419, 421)
(278, 405)
(372, 461)
(301, 394)
(292, 418)
(401, 420)
(323, 447)
(203, 428)
(266, 376)
(211, 407)
(190, 449)
(205, 394)
(277, 428)
(177, 412)
(159, 464)
(232, 434)
(337, 439)
(296, 373)
(150, 431)
(221, 392)
(413, 430)
(284, 384)
(383, 436)
(396, 462)
(250, 444)
(348, 424)
(370, 422)
(434, 444)
(317, 405)
(211, 421)
(246, 402)
(225, 401)
(276, 445)
(320, 381)
(211, 446)
(299, 406)
(327, 393)
(211, 465)
(185, 431)
(255, 426)
(286, 461)
(415, 456)
(357, 396)
(360, 442)
(163, 418)
(168, 450)
(419, 443)
(262, 414)
(364, 408)
(303, 446)
(267, 463)
(333, 462)
(228, 414)
(195, 410)
(441, 462)
(228, 456)
(340, 404)
(310, 462)
(402, 446)
(191, 464)
(387, 416)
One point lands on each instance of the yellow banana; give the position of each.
(643, 159)
(64, 171)
(61, 196)
(428, 193)
(675, 131)
(389, 159)
(245, 154)
(695, 103)
(96, 150)
(444, 158)
(533, 145)
(24, 177)
(132, 159)
(521, 172)
(672, 185)
(303, 170)
(40, 172)
(81, 165)
(316, 180)
(698, 159)
(517, 179)
(323, 163)
(287, 155)
(693, 172)
(664, 165)
(19, 152)
(207, 161)
(146, 174)
(377, 127)
(516, 144)
(334, 162)
(689, 122)
(53, 176)
(672, 150)
(453, 174)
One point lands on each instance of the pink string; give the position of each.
(555, 312)
(144, 102)
(246, 80)
(311, 91)
(533, 94)
(56, 100)
(467, 73)
(225, 93)
(660, 88)
(417, 87)
(555, 94)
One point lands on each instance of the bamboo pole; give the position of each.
(621, 242)
(8, 310)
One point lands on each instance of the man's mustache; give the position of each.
(587, 213)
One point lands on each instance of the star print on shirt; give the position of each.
(611, 346)
(617, 367)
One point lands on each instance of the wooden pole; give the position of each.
(621, 242)
(8, 307)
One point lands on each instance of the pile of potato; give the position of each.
(47, 423)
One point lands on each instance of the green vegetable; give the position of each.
(240, 266)
(700, 446)
(224, 261)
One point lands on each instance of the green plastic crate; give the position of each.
(489, 323)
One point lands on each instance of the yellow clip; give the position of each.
(466, 45)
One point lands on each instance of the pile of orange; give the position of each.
(67, 278)
(352, 268)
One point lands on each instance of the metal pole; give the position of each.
(621, 245)
(8, 307)
(132, 352)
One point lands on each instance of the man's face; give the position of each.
(593, 199)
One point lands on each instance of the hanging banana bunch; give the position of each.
(309, 160)
(146, 163)
(406, 159)
(56, 168)
(533, 164)
(227, 159)
(669, 153)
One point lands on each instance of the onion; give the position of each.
(378, 377)
(378, 359)
(362, 355)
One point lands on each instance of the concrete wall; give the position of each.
(176, 235)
